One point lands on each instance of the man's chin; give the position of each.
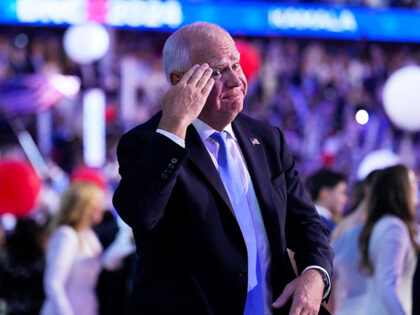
(232, 109)
(225, 113)
(235, 103)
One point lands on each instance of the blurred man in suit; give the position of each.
(328, 190)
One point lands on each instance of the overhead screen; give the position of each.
(248, 18)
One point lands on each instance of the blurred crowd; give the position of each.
(311, 89)
(79, 260)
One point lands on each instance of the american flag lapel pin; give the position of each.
(254, 141)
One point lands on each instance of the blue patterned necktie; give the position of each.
(229, 173)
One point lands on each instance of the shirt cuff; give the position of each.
(171, 136)
(328, 287)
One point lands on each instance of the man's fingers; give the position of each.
(284, 296)
(205, 78)
(187, 75)
(207, 88)
(296, 308)
(197, 75)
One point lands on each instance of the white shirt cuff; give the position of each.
(171, 136)
(328, 288)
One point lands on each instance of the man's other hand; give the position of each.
(306, 292)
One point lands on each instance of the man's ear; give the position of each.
(175, 77)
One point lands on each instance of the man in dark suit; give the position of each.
(203, 251)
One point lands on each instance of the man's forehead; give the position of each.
(218, 62)
(217, 58)
(214, 49)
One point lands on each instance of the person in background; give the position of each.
(388, 242)
(73, 259)
(328, 191)
(349, 284)
(416, 279)
(357, 213)
(115, 281)
(22, 268)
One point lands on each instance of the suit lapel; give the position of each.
(201, 158)
(256, 162)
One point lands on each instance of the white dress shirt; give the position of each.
(324, 212)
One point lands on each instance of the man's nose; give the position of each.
(232, 78)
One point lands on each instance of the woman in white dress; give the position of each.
(349, 284)
(74, 253)
(388, 244)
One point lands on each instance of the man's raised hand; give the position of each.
(184, 100)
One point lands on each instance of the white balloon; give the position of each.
(401, 97)
(362, 117)
(86, 43)
(376, 160)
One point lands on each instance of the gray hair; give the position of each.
(177, 48)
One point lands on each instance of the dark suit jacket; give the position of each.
(330, 224)
(416, 289)
(193, 259)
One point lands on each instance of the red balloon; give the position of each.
(328, 159)
(89, 175)
(111, 113)
(250, 59)
(19, 187)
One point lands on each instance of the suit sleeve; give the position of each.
(306, 235)
(149, 165)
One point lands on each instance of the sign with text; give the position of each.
(241, 18)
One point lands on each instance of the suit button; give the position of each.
(174, 160)
(164, 176)
(170, 165)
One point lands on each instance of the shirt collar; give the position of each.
(322, 211)
(205, 131)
